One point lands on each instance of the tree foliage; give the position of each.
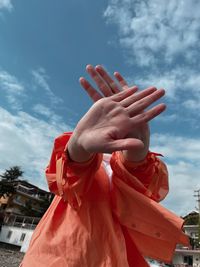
(7, 180)
(12, 174)
(192, 219)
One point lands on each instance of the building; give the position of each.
(17, 230)
(21, 212)
(189, 256)
(24, 209)
(28, 200)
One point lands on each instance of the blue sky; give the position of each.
(44, 48)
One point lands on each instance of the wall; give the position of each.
(14, 238)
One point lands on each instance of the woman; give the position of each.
(105, 212)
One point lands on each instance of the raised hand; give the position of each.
(106, 127)
(107, 86)
(104, 82)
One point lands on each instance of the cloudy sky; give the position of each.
(44, 48)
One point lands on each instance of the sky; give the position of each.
(44, 49)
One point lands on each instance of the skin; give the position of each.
(108, 87)
(118, 119)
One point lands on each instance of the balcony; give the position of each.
(18, 202)
(21, 221)
(30, 192)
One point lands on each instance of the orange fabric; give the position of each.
(92, 223)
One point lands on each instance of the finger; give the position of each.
(121, 80)
(145, 102)
(123, 94)
(149, 114)
(134, 98)
(94, 94)
(102, 85)
(111, 83)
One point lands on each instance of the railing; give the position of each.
(22, 225)
(21, 221)
(182, 265)
(28, 192)
(16, 201)
(186, 265)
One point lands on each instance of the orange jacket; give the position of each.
(94, 223)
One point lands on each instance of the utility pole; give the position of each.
(197, 196)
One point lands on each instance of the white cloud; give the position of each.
(182, 86)
(27, 141)
(6, 4)
(13, 89)
(154, 32)
(43, 110)
(178, 147)
(49, 115)
(16, 92)
(163, 36)
(182, 155)
(167, 118)
(191, 104)
(41, 80)
(183, 179)
(170, 81)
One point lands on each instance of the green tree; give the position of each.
(192, 219)
(12, 174)
(7, 180)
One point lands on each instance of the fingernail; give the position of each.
(89, 66)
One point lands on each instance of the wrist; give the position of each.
(76, 150)
(134, 156)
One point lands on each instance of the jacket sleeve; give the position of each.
(136, 189)
(70, 180)
(149, 177)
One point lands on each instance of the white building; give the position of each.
(188, 256)
(17, 230)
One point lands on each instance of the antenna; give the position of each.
(197, 196)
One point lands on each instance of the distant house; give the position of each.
(28, 199)
(21, 212)
(17, 230)
(189, 256)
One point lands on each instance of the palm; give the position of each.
(107, 126)
(108, 87)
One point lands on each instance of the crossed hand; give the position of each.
(117, 120)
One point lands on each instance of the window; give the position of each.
(22, 237)
(188, 259)
(18, 197)
(9, 234)
(3, 206)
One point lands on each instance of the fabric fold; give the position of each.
(154, 229)
(68, 179)
(102, 222)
